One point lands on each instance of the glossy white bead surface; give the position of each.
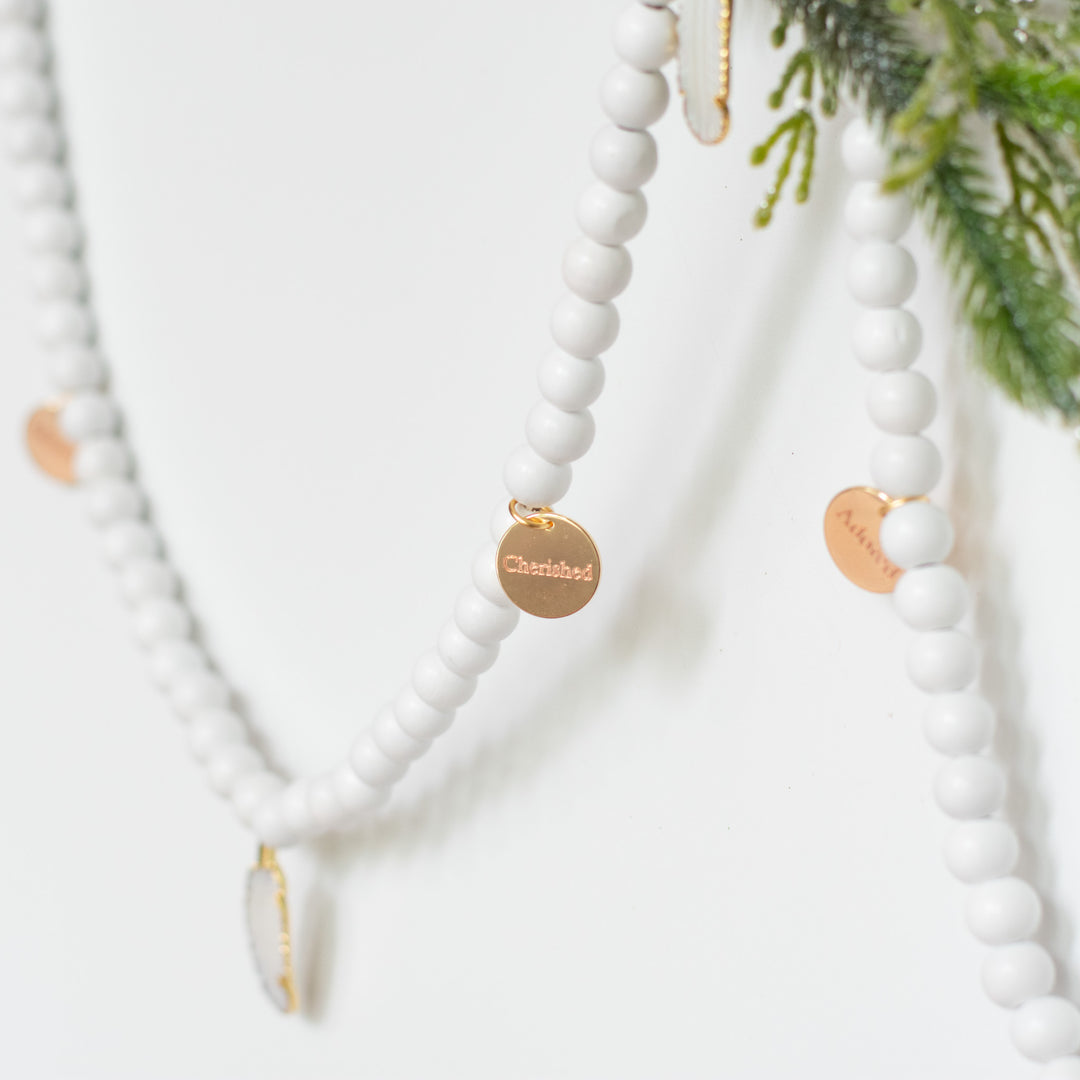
(939, 661)
(100, 457)
(956, 724)
(76, 369)
(583, 328)
(462, 654)
(485, 575)
(327, 809)
(228, 763)
(872, 214)
(142, 579)
(862, 152)
(393, 740)
(916, 534)
(931, 597)
(88, 414)
(22, 46)
(58, 277)
(355, 796)
(211, 729)
(624, 160)
(1013, 974)
(171, 659)
(198, 689)
(559, 436)
(253, 790)
(159, 619)
(609, 216)
(481, 620)
(53, 230)
(981, 850)
(63, 323)
(533, 481)
(886, 339)
(419, 719)
(126, 540)
(904, 465)
(645, 36)
(440, 687)
(26, 93)
(1046, 1028)
(270, 825)
(901, 402)
(570, 382)
(969, 787)
(594, 271)
(113, 499)
(881, 275)
(42, 184)
(33, 138)
(372, 765)
(1001, 911)
(633, 99)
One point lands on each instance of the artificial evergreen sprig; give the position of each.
(992, 91)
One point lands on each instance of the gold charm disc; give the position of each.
(548, 565)
(50, 448)
(268, 925)
(852, 524)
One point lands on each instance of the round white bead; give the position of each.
(26, 11)
(22, 46)
(252, 790)
(440, 687)
(33, 138)
(112, 499)
(939, 661)
(1046, 1028)
(1013, 974)
(633, 99)
(88, 414)
(372, 765)
(160, 619)
(40, 184)
(270, 825)
(903, 465)
(107, 456)
(582, 328)
(211, 729)
(872, 214)
(645, 36)
(863, 153)
(26, 93)
(327, 810)
(395, 742)
(981, 850)
(931, 597)
(609, 216)
(53, 230)
(1066, 1068)
(228, 763)
(172, 659)
(956, 724)
(570, 382)
(625, 160)
(534, 482)
(915, 534)
(881, 275)
(75, 369)
(595, 272)
(355, 796)
(559, 436)
(294, 807)
(462, 654)
(969, 787)
(485, 575)
(127, 540)
(142, 579)
(901, 402)
(58, 277)
(886, 339)
(419, 719)
(199, 689)
(481, 620)
(62, 323)
(1001, 911)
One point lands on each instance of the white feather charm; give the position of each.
(704, 61)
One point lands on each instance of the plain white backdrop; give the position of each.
(686, 833)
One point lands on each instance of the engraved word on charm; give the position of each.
(852, 524)
(51, 449)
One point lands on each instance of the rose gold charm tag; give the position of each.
(852, 524)
(50, 448)
(548, 565)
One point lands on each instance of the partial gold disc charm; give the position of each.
(548, 565)
(50, 448)
(852, 524)
(268, 925)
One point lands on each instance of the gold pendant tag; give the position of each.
(852, 524)
(51, 449)
(268, 926)
(548, 565)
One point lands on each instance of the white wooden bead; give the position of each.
(26, 93)
(33, 138)
(210, 729)
(198, 689)
(863, 153)
(570, 382)
(252, 790)
(903, 465)
(1002, 911)
(1066, 1068)
(625, 160)
(53, 230)
(22, 46)
(872, 214)
(142, 579)
(596, 272)
(294, 807)
(58, 277)
(106, 456)
(645, 36)
(969, 787)
(633, 99)
(229, 763)
(88, 414)
(171, 659)
(75, 369)
(533, 481)
(886, 339)
(419, 719)
(1046, 1028)
(609, 216)
(113, 499)
(462, 654)
(327, 810)
(440, 687)
(270, 825)
(160, 619)
(942, 660)
(931, 597)
(127, 540)
(559, 436)
(372, 765)
(42, 184)
(355, 796)
(62, 323)
(881, 275)
(25, 11)
(1013, 974)
(395, 742)
(956, 724)
(915, 534)
(481, 620)
(485, 575)
(901, 402)
(582, 328)
(981, 850)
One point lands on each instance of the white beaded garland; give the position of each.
(485, 576)
(228, 763)
(113, 499)
(77, 368)
(901, 402)
(559, 436)
(596, 272)
(65, 322)
(481, 620)
(88, 414)
(570, 382)
(372, 765)
(440, 687)
(58, 277)
(969, 787)
(609, 216)
(26, 93)
(886, 339)
(355, 796)
(905, 465)
(171, 660)
(22, 47)
(1046, 1028)
(1002, 911)
(633, 99)
(327, 810)
(534, 482)
(159, 619)
(142, 579)
(197, 689)
(1013, 974)
(881, 275)
(251, 790)
(418, 718)
(981, 850)
(957, 724)
(271, 827)
(33, 138)
(462, 654)
(942, 660)
(931, 597)
(42, 184)
(915, 534)
(863, 153)
(872, 214)
(107, 456)
(211, 729)
(395, 742)
(584, 328)
(52, 230)
(645, 36)
(625, 160)
(26, 11)
(126, 540)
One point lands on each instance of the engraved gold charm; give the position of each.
(852, 523)
(268, 925)
(548, 565)
(51, 449)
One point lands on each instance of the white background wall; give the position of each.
(686, 833)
